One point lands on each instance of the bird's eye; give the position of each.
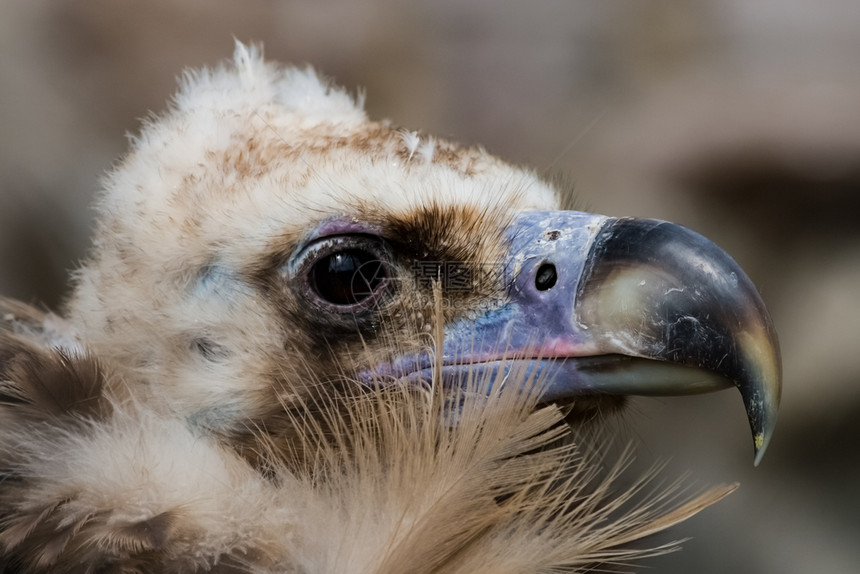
(347, 273)
(347, 277)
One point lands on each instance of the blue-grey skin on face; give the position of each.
(600, 305)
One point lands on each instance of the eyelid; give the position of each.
(294, 265)
(337, 227)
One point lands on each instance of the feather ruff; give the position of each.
(96, 481)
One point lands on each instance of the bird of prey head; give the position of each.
(264, 243)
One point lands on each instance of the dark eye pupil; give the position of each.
(347, 277)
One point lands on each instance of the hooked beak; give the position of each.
(600, 305)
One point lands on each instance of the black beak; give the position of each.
(659, 291)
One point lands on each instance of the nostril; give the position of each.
(546, 277)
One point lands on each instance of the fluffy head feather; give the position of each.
(198, 220)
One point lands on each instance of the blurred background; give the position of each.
(738, 118)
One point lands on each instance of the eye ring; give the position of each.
(346, 274)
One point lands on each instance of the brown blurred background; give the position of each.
(740, 119)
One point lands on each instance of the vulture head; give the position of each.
(263, 249)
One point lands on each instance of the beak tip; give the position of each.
(762, 434)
